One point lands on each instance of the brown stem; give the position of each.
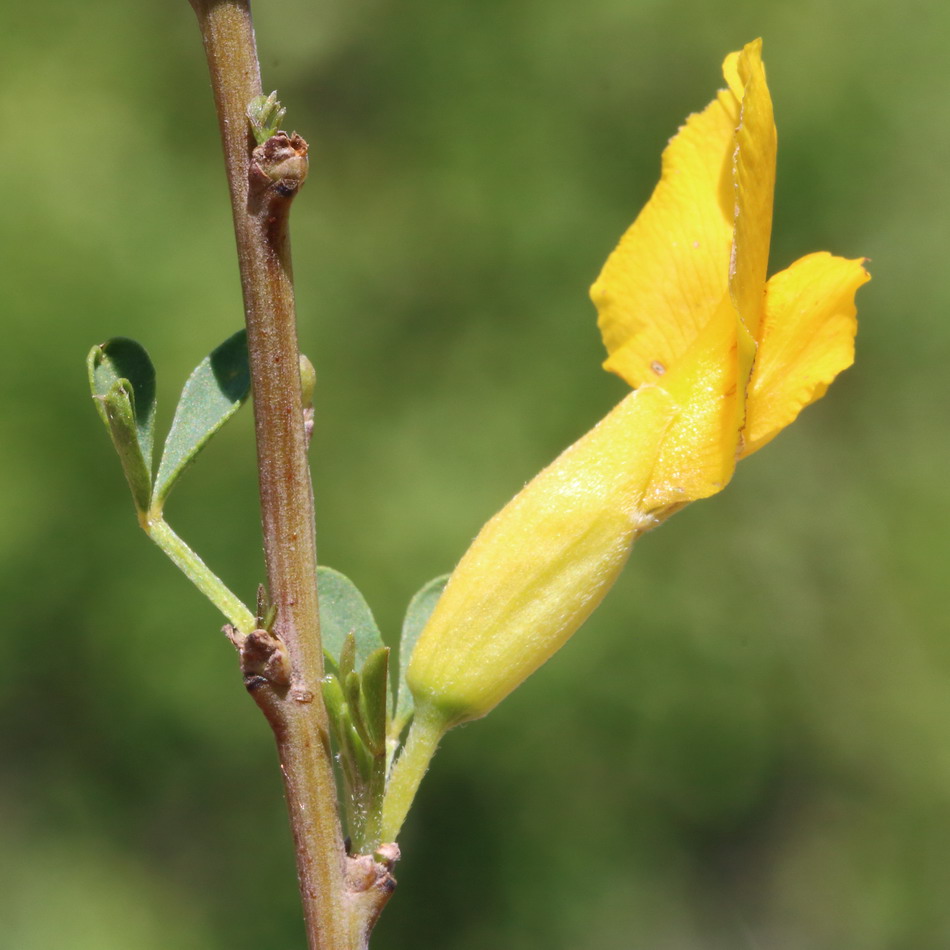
(262, 187)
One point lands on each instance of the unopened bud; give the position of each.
(308, 381)
(265, 113)
(282, 159)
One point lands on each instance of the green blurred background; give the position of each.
(749, 744)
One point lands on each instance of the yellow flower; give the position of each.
(683, 302)
(720, 360)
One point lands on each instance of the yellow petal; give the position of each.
(669, 273)
(699, 452)
(754, 179)
(541, 565)
(806, 339)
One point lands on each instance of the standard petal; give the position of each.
(665, 279)
(805, 340)
(754, 180)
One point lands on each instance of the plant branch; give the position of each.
(262, 183)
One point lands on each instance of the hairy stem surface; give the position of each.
(260, 206)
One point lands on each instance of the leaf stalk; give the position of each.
(188, 562)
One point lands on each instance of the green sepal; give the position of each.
(417, 616)
(213, 393)
(343, 610)
(375, 699)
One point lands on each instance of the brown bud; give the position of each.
(281, 160)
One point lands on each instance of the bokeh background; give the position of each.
(747, 747)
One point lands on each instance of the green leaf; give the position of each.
(417, 616)
(121, 358)
(354, 757)
(213, 393)
(374, 699)
(346, 662)
(351, 692)
(343, 610)
(354, 748)
(119, 412)
(333, 698)
(265, 113)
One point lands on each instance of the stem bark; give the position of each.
(296, 713)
